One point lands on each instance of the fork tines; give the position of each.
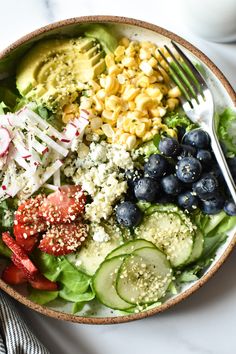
(183, 73)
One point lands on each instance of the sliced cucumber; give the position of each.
(170, 230)
(197, 247)
(104, 281)
(130, 247)
(93, 253)
(144, 276)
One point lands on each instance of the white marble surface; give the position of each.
(204, 323)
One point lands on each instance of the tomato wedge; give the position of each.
(20, 257)
(42, 283)
(13, 275)
(64, 205)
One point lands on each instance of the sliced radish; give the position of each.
(5, 140)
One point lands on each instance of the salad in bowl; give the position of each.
(110, 197)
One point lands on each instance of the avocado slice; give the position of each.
(50, 71)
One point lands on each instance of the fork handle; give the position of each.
(223, 165)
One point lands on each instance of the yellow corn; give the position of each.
(124, 42)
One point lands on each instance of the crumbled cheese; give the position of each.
(99, 174)
(99, 234)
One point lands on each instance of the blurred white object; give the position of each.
(212, 19)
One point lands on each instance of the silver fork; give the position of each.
(198, 104)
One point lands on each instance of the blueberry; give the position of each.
(188, 169)
(206, 187)
(216, 171)
(188, 201)
(147, 189)
(213, 206)
(186, 151)
(171, 185)
(156, 166)
(205, 157)
(128, 214)
(230, 208)
(198, 138)
(169, 147)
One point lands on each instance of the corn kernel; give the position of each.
(154, 92)
(156, 121)
(143, 81)
(152, 61)
(130, 93)
(114, 70)
(67, 117)
(174, 92)
(99, 106)
(112, 102)
(131, 105)
(146, 68)
(107, 130)
(124, 42)
(109, 60)
(140, 130)
(111, 85)
(131, 142)
(96, 123)
(120, 51)
(148, 136)
(123, 137)
(172, 103)
(128, 62)
(85, 102)
(101, 94)
(143, 102)
(144, 54)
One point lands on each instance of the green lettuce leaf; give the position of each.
(4, 250)
(227, 129)
(42, 297)
(73, 296)
(177, 119)
(75, 286)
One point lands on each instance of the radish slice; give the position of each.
(5, 140)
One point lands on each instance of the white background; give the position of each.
(203, 324)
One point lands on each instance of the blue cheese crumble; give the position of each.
(98, 171)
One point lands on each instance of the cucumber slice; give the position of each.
(197, 247)
(130, 247)
(144, 276)
(170, 230)
(103, 284)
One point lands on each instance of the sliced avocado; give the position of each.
(103, 35)
(50, 71)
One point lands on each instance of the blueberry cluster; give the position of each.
(186, 174)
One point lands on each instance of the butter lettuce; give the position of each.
(74, 285)
(227, 129)
(42, 297)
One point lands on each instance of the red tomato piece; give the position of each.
(64, 205)
(42, 283)
(19, 257)
(63, 238)
(13, 275)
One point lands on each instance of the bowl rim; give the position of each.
(168, 304)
